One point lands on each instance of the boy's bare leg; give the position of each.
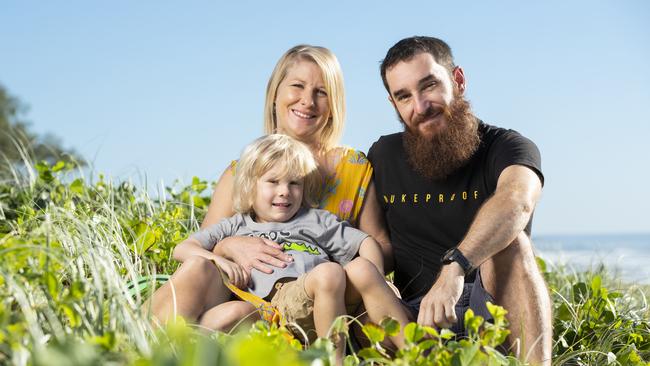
(379, 300)
(197, 287)
(326, 285)
(224, 317)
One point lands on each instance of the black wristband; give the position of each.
(455, 255)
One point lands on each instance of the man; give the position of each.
(458, 197)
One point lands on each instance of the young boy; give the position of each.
(276, 182)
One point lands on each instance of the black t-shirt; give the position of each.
(428, 217)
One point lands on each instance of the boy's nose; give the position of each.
(283, 190)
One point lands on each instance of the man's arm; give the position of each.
(501, 218)
(504, 215)
(191, 247)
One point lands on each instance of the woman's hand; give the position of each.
(252, 252)
(248, 252)
(234, 271)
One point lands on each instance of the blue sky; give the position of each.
(169, 90)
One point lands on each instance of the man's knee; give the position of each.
(514, 264)
(519, 250)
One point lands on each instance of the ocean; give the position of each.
(625, 255)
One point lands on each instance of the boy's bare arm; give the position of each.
(371, 250)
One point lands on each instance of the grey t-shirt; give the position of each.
(311, 237)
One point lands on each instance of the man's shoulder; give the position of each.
(490, 132)
(386, 143)
(509, 147)
(393, 138)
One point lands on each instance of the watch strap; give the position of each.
(455, 255)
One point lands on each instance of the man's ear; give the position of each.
(458, 75)
(390, 99)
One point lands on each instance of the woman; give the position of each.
(305, 100)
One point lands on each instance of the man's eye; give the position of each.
(431, 85)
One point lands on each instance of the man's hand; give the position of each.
(252, 252)
(437, 306)
(234, 271)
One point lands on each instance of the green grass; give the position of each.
(70, 247)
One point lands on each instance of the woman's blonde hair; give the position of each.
(333, 79)
(295, 159)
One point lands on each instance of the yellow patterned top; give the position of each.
(344, 191)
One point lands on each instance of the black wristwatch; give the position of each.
(455, 255)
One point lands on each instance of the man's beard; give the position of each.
(439, 156)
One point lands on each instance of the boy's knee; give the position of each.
(362, 272)
(359, 264)
(328, 277)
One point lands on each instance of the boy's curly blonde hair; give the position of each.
(270, 151)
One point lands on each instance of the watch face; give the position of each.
(448, 257)
(455, 255)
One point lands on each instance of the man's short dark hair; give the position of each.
(407, 48)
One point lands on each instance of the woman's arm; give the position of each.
(371, 221)
(248, 252)
(221, 205)
(191, 247)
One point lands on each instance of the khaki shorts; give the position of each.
(297, 307)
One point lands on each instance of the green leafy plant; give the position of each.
(71, 245)
(428, 346)
(594, 325)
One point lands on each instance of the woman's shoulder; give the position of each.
(344, 190)
(349, 155)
